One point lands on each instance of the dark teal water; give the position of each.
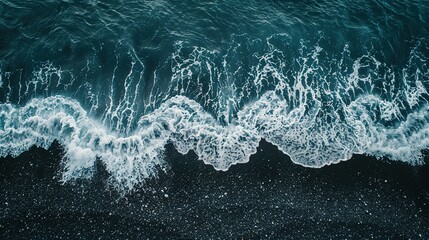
(118, 80)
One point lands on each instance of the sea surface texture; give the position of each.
(116, 81)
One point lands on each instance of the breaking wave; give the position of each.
(370, 108)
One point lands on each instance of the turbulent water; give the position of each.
(117, 81)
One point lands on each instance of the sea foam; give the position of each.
(133, 158)
(317, 108)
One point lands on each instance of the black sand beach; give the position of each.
(269, 197)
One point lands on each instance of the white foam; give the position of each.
(132, 159)
(317, 110)
(129, 159)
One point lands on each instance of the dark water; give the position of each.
(115, 82)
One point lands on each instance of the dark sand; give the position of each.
(269, 197)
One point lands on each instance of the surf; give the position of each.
(317, 106)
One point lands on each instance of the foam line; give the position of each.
(130, 160)
(318, 108)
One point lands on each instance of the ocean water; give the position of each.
(321, 80)
(115, 82)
